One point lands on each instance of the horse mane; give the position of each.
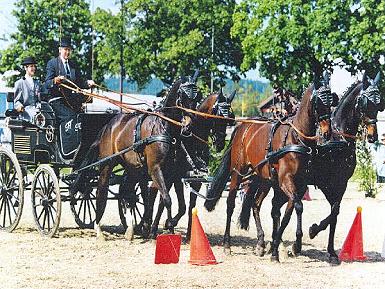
(206, 100)
(170, 99)
(347, 92)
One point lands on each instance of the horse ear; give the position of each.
(195, 76)
(316, 81)
(221, 97)
(365, 81)
(230, 98)
(326, 77)
(377, 78)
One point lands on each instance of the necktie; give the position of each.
(67, 68)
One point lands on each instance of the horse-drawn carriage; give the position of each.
(37, 149)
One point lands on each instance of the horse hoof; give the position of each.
(154, 233)
(259, 251)
(274, 259)
(283, 252)
(101, 238)
(295, 250)
(129, 235)
(268, 248)
(227, 250)
(312, 231)
(173, 222)
(334, 261)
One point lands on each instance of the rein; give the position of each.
(124, 106)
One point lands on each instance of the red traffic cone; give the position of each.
(200, 250)
(167, 249)
(352, 250)
(306, 196)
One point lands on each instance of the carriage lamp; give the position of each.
(39, 119)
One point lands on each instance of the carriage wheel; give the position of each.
(133, 205)
(46, 200)
(84, 208)
(11, 190)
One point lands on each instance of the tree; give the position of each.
(367, 34)
(292, 39)
(38, 32)
(170, 38)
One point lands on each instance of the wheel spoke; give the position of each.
(89, 210)
(10, 181)
(1, 209)
(51, 214)
(45, 216)
(41, 213)
(14, 210)
(93, 206)
(84, 211)
(80, 207)
(140, 215)
(5, 212)
(48, 217)
(41, 186)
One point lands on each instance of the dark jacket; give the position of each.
(55, 68)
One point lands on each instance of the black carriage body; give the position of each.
(33, 144)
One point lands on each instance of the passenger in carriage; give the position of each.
(27, 91)
(65, 103)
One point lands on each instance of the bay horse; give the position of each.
(332, 165)
(216, 104)
(152, 139)
(285, 164)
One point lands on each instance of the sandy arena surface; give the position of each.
(75, 259)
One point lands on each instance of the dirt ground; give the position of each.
(75, 259)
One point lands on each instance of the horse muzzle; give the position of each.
(325, 128)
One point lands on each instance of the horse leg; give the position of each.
(332, 220)
(145, 223)
(235, 180)
(260, 196)
(164, 187)
(298, 206)
(101, 197)
(179, 190)
(333, 258)
(155, 224)
(278, 236)
(277, 202)
(193, 200)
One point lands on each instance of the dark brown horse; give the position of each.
(152, 140)
(332, 166)
(285, 164)
(216, 104)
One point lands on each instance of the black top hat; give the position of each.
(28, 60)
(65, 42)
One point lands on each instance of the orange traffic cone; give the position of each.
(306, 196)
(200, 250)
(167, 249)
(352, 250)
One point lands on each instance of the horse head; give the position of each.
(222, 108)
(322, 102)
(369, 104)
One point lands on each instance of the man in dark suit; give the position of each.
(64, 102)
(27, 91)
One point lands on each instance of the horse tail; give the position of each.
(244, 216)
(219, 182)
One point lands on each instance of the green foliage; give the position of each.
(169, 38)
(292, 39)
(38, 31)
(365, 174)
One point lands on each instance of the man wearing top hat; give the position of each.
(64, 102)
(27, 91)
